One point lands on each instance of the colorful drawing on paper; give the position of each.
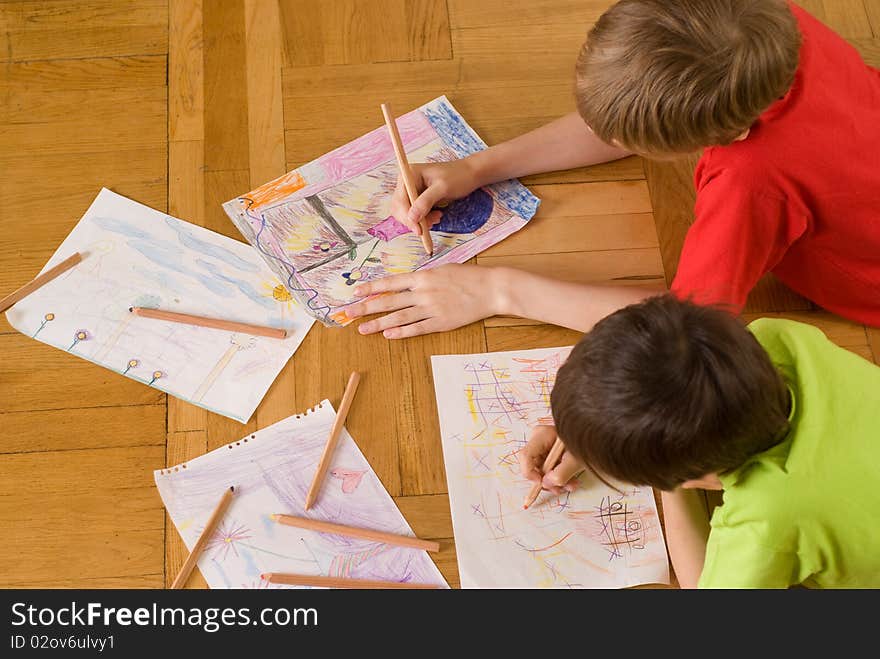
(272, 471)
(326, 226)
(136, 256)
(595, 537)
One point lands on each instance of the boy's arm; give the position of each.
(454, 295)
(687, 532)
(564, 143)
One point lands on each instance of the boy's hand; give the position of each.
(562, 478)
(439, 183)
(427, 301)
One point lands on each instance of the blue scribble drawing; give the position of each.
(171, 258)
(187, 239)
(246, 289)
(120, 226)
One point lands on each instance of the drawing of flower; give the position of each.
(352, 277)
(132, 363)
(325, 245)
(46, 319)
(157, 375)
(79, 335)
(225, 538)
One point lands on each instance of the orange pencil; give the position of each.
(549, 462)
(39, 281)
(215, 323)
(337, 582)
(354, 532)
(210, 527)
(409, 179)
(324, 462)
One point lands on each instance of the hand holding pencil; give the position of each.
(544, 459)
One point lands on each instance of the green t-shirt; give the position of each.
(807, 511)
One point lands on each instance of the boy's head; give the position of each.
(665, 391)
(675, 76)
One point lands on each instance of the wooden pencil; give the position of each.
(40, 280)
(355, 532)
(215, 323)
(409, 179)
(210, 527)
(549, 462)
(324, 462)
(338, 582)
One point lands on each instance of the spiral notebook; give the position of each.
(271, 471)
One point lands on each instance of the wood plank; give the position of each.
(619, 266)
(528, 337)
(140, 581)
(770, 294)
(186, 80)
(344, 32)
(220, 187)
(225, 72)
(265, 121)
(428, 515)
(135, 72)
(182, 446)
(336, 352)
(848, 18)
(862, 351)
(874, 342)
(671, 185)
(47, 379)
(72, 525)
(625, 169)
(446, 562)
(872, 9)
(56, 29)
(83, 428)
(469, 14)
(418, 436)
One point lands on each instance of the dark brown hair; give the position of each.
(675, 76)
(666, 391)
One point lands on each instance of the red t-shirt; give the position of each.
(800, 196)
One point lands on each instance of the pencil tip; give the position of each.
(232, 488)
(273, 517)
(131, 308)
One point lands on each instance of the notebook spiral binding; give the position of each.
(231, 445)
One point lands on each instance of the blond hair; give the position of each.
(674, 76)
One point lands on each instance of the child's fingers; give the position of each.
(563, 474)
(400, 206)
(424, 203)
(390, 284)
(434, 217)
(531, 456)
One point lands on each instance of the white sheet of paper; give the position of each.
(272, 471)
(594, 537)
(137, 256)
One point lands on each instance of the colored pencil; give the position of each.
(210, 527)
(354, 532)
(549, 463)
(324, 462)
(215, 323)
(337, 582)
(39, 281)
(409, 179)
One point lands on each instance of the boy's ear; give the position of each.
(743, 135)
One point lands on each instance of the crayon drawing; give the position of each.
(594, 537)
(271, 471)
(136, 256)
(326, 226)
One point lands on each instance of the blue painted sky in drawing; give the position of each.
(460, 138)
(120, 226)
(243, 286)
(208, 249)
(170, 257)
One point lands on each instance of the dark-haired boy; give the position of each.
(677, 396)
